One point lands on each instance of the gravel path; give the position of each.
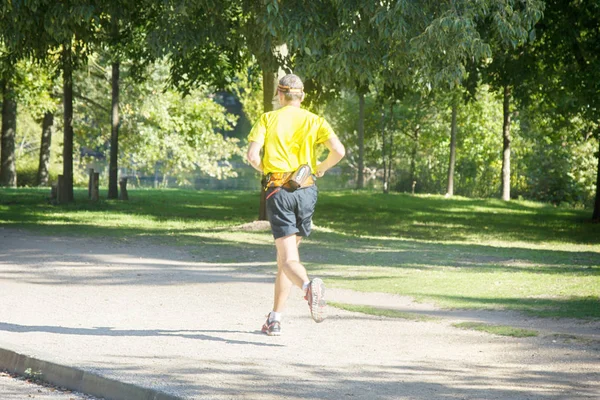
(188, 325)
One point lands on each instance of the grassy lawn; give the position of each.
(457, 253)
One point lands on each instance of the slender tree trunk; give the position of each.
(506, 146)
(413, 160)
(596, 215)
(113, 189)
(68, 123)
(450, 191)
(270, 81)
(270, 103)
(361, 140)
(8, 169)
(46, 142)
(383, 149)
(391, 148)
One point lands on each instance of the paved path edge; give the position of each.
(76, 379)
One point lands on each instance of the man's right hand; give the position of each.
(336, 153)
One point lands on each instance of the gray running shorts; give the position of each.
(291, 212)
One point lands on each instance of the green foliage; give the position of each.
(479, 146)
(35, 28)
(247, 86)
(27, 175)
(178, 133)
(161, 130)
(420, 45)
(554, 165)
(394, 51)
(341, 114)
(34, 84)
(202, 40)
(567, 59)
(549, 162)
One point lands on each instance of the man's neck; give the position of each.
(293, 103)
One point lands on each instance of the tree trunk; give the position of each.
(450, 191)
(361, 140)
(113, 191)
(47, 123)
(8, 169)
(68, 123)
(270, 82)
(270, 103)
(596, 215)
(413, 161)
(391, 148)
(506, 145)
(383, 149)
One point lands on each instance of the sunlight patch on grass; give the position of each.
(491, 243)
(207, 207)
(438, 225)
(383, 312)
(501, 330)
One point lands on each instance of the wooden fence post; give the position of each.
(90, 181)
(62, 194)
(123, 189)
(54, 193)
(95, 186)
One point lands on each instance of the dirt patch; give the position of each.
(253, 226)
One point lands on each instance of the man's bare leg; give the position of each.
(283, 284)
(287, 249)
(291, 272)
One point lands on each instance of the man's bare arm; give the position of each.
(336, 153)
(253, 156)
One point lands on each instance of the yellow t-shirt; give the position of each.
(289, 136)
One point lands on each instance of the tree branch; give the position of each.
(90, 101)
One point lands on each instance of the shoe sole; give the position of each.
(318, 304)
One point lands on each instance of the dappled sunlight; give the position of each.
(483, 209)
(207, 207)
(438, 224)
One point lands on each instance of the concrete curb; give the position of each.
(78, 380)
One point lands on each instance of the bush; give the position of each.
(27, 176)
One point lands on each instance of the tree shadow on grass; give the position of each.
(577, 307)
(435, 218)
(411, 253)
(398, 215)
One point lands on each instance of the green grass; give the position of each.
(502, 330)
(456, 253)
(382, 312)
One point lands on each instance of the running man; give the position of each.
(289, 136)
